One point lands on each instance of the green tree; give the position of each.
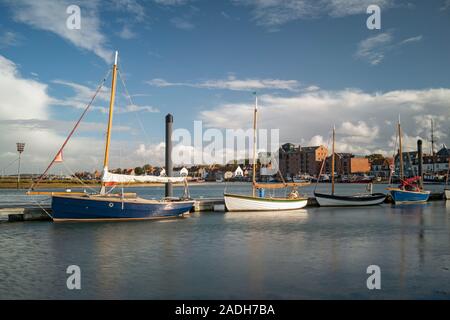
(148, 168)
(138, 171)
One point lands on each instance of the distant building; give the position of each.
(432, 164)
(238, 172)
(312, 158)
(289, 159)
(347, 163)
(294, 160)
(381, 167)
(184, 172)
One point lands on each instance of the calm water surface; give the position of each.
(314, 253)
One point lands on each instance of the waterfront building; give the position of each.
(381, 167)
(347, 163)
(294, 160)
(436, 164)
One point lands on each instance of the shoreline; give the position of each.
(60, 185)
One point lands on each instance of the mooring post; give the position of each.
(169, 168)
(420, 162)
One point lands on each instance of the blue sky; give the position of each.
(313, 63)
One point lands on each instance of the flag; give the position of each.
(59, 157)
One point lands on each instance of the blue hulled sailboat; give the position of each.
(71, 206)
(409, 190)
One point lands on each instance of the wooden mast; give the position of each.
(255, 114)
(448, 171)
(332, 161)
(110, 119)
(400, 148)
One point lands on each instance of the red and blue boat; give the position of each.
(409, 191)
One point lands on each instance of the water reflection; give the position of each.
(314, 253)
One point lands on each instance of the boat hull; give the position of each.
(67, 208)
(248, 203)
(447, 194)
(328, 200)
(404, 196)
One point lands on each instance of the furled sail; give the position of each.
(124, 178)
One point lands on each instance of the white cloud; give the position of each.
(412, 39)
(182, 23)
(21, 98)
(232, 83)
(171, 2)
(24, 109)
(10, 39)
(51, 16)
(374, 48)
(131, 6)
(25, 116)
(364, 120)
(136, 108)
(83, 95)
(127, 33)
(274, 13)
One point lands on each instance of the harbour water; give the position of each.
(313, 253)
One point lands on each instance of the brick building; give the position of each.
(347, 163)
(294, 160)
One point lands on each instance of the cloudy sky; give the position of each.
(314, 64)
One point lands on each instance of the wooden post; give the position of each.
(332, 161)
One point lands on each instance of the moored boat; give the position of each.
(237, 202)
(332, 200)
(106, 205)
(410, 190)
(97, 208)
(401, 196)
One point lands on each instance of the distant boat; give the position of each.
(361, 179)
(68, 206)
(333, 200)
(237, 202)
(302, 179)
(409, 190)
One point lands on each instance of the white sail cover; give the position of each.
(124, 178)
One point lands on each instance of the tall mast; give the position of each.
(400, 148)
(332, 161)
(255, 115)
(448, 171)
(432, 144)
(110, 119)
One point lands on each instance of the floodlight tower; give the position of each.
(20, 148)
